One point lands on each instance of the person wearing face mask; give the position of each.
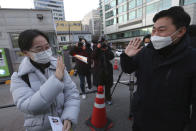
(83, 69)
(146, 40)
(46, 90)
(166, 75)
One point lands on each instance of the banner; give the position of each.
(81, 58)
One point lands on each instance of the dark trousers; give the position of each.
(108, 93)
(135, 127)
(82, 81)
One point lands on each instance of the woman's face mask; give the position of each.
(160, 42)
(42, 57)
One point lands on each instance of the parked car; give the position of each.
(119, 52)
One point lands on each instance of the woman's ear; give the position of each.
(26, 53)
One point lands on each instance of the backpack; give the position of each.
(25, 78)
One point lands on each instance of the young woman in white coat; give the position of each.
(42, 86)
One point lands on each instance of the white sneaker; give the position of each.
(88, 89)
(84, 96)
(109, 102)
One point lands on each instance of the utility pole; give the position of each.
(69, 32)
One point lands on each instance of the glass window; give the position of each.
(125, 17)
(139, 2)
(148, 0)
(165, 4)
(14, 38)
(122, 8)
(186, 2)
(152, 8)
(107, 7)
(127, 34)
(125, 8)
(109, 22)
(121, 1)
(110, 14)
(114, 21)
(110, 5)
(120, 19)
(131, 15)
(139, 13)
(63, 38)
(131, 33)
(114, 12)
(106, 0)
(136, 33)
(132, 4)
(114, 36)
(113, 3)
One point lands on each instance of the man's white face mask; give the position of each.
(42, 57)
(160, 42)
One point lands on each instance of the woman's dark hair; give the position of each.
(26, 38)
(179, 17)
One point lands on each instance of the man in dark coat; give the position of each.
(103, 69)
(192, 33)
(166, 75)
(83, 69)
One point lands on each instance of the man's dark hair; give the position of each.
(80, 39)
(192, 30)
(146, 36)
(179, 17)
(80, 44)
(26, 38)
(192, 34)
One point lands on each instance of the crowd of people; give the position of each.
(98, 63)
(164, 64)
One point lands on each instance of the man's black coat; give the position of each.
(102, 66)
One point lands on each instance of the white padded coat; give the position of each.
(47, 96)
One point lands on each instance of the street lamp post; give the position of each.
(69, 32)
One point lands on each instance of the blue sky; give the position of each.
(74, 9)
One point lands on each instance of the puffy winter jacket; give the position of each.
(47, 96)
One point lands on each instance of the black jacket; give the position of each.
(82, 67)
(166, 87)
(103, 70)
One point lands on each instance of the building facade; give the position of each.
(57, 7)
(125, 19)
(14, 21)
(92, 23)
(70, 32)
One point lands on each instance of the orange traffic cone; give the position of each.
(115, 65)
(98, 121)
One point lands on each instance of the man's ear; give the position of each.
(182, 31)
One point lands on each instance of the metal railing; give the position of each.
(13, 105)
